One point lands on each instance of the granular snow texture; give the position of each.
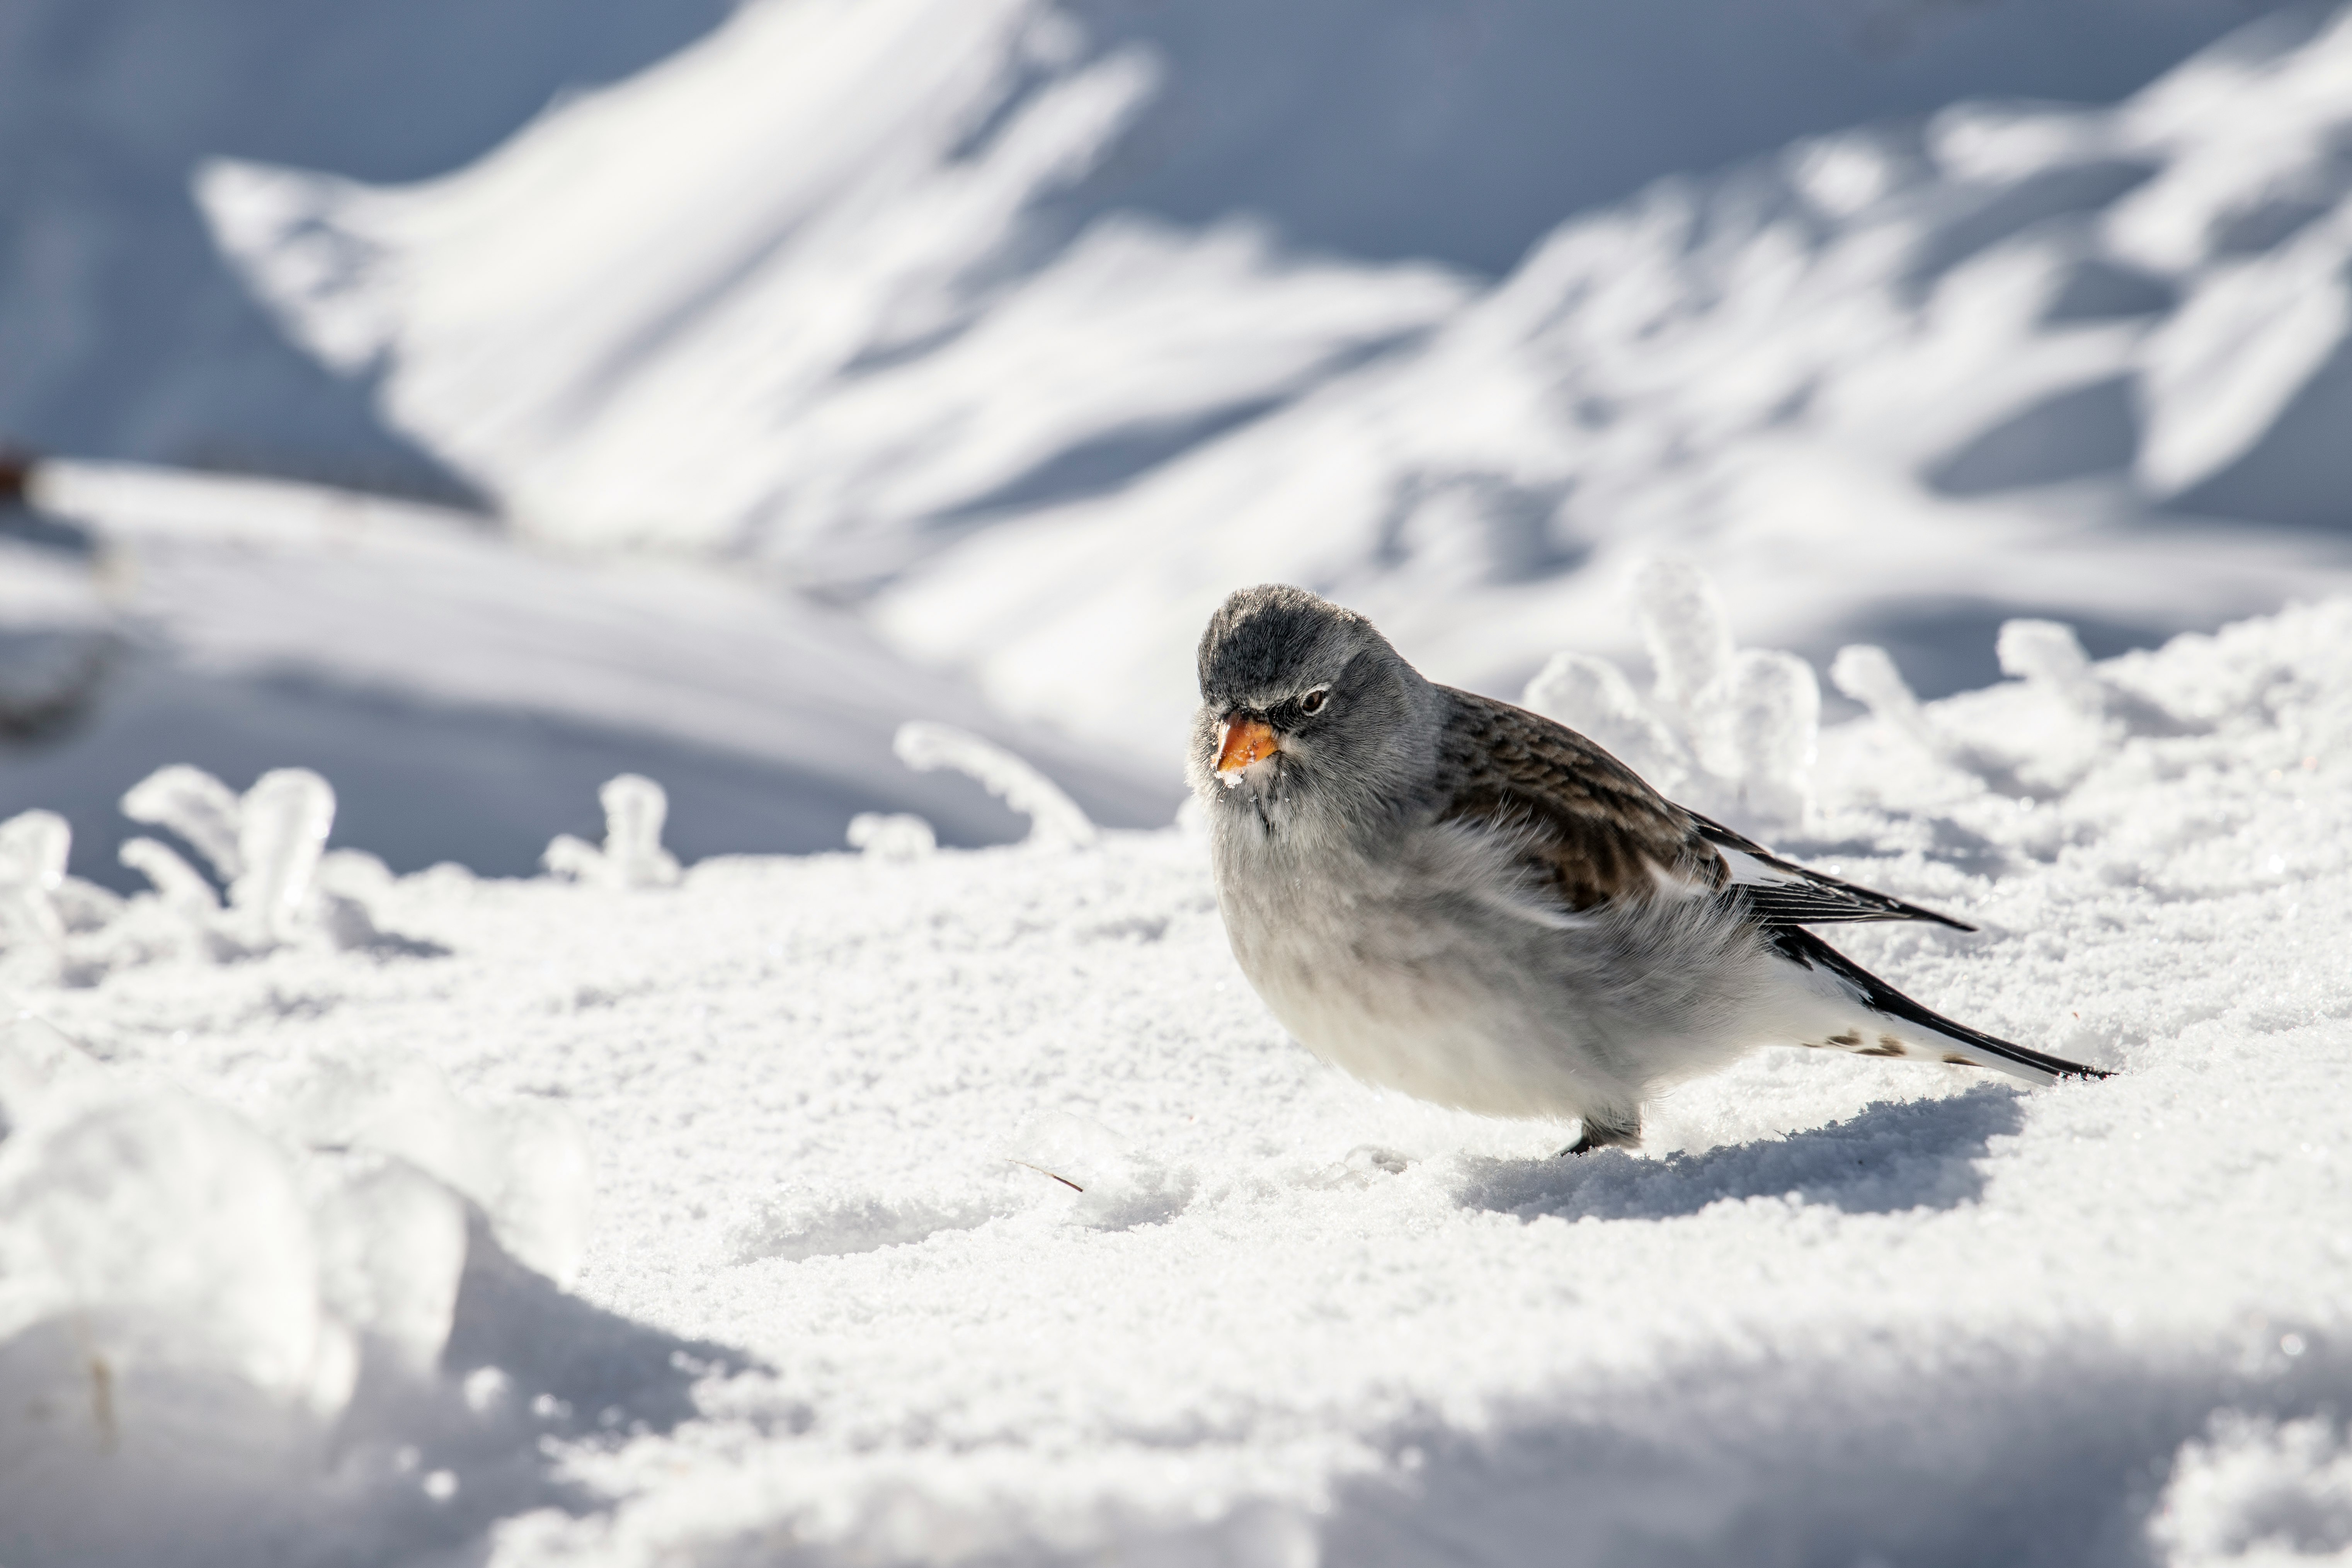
(969, 1208)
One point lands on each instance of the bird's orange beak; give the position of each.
(1242, 742)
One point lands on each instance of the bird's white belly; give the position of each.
(1433, 1030)
(1413, 971)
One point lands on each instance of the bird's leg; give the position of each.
(1600, 1134)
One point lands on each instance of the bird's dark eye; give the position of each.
(1313, 701)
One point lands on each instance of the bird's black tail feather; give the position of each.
(1800, 946)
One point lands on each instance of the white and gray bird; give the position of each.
(1452, 896)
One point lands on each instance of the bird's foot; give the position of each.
(1597, 1136)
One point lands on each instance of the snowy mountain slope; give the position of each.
(1431, 128)
(122, 333)
(780, 354)
(840, 275)
(1840, 1311)
(1906, 381)
(458, 685)
(2092, 364)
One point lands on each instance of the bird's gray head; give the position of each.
(1306, 713)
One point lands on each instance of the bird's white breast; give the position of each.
(1403, 975)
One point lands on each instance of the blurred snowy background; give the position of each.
(522, 432)
(783, 373)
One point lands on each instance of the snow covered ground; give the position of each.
(459, 689)
(961, 1205)
(966, 1207)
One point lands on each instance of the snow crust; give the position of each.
(968, 1208)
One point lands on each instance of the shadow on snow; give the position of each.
(2046, 1447)
(1891, 1157)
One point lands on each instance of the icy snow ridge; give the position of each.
(1400, 124)
(968, 1207)
(861, 297)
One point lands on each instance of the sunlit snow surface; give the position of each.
(835, 1305)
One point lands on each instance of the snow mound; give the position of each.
(969, 1207)
(2257, 1491)
(203, 1314)
(117, 1221)
(893, 835)
(451, 682)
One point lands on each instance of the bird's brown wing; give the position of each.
(1594, 832)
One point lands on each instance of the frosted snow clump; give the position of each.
(632, 856)
(1729, 731)
(2255, 1490)
(524, 1162)
(1055, 819)
(892, 836)
(33, 848)
(268, 845)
